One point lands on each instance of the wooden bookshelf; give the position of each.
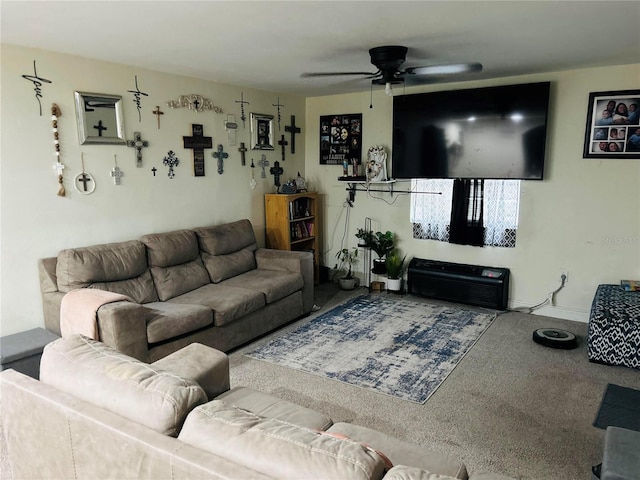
(292, 224)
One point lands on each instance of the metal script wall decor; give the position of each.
(194, 102)
(37, 83)
(136, 98)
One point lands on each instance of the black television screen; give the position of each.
(490, 133)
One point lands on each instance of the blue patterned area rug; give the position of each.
(393, 345)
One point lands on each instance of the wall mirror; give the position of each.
(261, 132)
(100, 119)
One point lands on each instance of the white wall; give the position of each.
(37, 223)
(583, 217)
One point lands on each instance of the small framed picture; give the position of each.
(261, 132)
(613, 125)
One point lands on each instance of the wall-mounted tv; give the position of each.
(491, 133)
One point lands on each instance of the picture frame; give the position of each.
(262, 134)
(341, 140)
(100, 119)
(613, 125)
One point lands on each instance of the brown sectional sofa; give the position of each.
(97, 413)
(211, 285)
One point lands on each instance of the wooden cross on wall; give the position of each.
(292, 129)
(242, 151)
(197, 142)
(220, 155)
(283, 143)
(276, 171)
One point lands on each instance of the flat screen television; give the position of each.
(489, 133)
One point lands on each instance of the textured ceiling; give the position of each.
(268, 44)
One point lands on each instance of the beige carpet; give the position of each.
(511, 406)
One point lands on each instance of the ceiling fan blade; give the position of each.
(445, 69)
(335, 74)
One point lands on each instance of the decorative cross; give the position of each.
(292, 129)
(243, 117)
(100, 128)
(220, 155)
(252, 182)
(278, 105)
(276, 171)
(154, 170)
(171, 161)
(283, 143)
(58, 167)
(84, 178)
(242, 151)
(116, 173)
(197, 142)
(138, 144)
(263, 162)
(157, 113)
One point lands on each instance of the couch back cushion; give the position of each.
(275, 447)
(227, 250)
(176, 266)
(98, 374)
(116, 267)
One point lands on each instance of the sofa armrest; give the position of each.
(292, 261)
(205, 365)
(51, 297)
(123, 326)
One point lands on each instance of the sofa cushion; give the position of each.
(228, 303)
(275, 447)
(228, 249)
(167, 320)
(173, 281)
(403, 453)
(274, 284)
(96, 373)
(116, 267)
(402, 472)
(268, 406)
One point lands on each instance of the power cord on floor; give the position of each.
(550, 298)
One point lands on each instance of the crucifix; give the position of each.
(100, 128)
(85, 178)
(220, 155)
(154, 170)
(157, 113)
(243, 117)
(292, 129)
(263, 162)
(278, 105)
(171, 161)
(283, 143)
(242, 151)
(116, 173)
(276, 171)
(138, 144)
(197, 142)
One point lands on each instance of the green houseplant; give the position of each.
(382, 244)
(348, 259)
(365, 237)
(395, 268)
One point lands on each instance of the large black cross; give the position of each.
(197, 142)
(283, 143)
(276, 171)
(292, 129)
(100, 128)
(220, 155)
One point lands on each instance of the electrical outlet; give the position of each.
(566, 276)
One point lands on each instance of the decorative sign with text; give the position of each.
(340, 139)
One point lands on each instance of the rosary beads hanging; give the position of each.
(58, 166)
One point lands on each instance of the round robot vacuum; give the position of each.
(554, 338)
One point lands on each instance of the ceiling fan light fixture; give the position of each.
(445, 69)
(387, 89)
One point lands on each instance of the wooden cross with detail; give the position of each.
(263, 162)
(276, 171)
(283, 143)
(220, 155)
(292, 129)
(157, 113)
(197, 142)
(242, 151)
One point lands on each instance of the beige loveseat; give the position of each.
(97, 413)
(211, 285)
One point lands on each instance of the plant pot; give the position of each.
(379, 266)
(394, 284)
(349, 283)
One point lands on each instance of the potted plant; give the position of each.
(348, 259)
(365, 237)
(382, 244)
(395, 268)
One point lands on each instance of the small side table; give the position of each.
(22, 351)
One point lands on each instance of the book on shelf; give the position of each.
(630, 285)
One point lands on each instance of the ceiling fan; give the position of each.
(388, 59)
